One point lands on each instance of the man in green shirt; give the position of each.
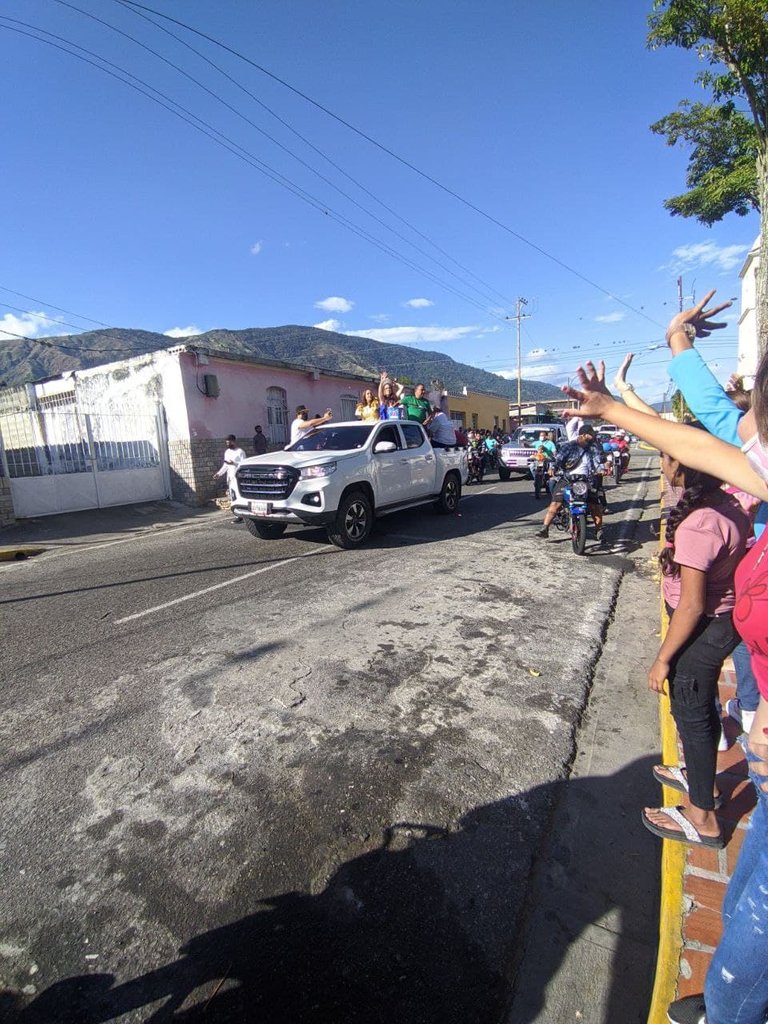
(417, 406)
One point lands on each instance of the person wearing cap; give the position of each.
(303, 423)
(577, 458)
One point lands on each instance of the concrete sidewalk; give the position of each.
(695, 878)
(97, 526)
(588, 952)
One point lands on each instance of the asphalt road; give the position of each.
(275, 781)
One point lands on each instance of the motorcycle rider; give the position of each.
(581, 457)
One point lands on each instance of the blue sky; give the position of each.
(536, 113)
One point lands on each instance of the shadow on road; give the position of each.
(423, 929)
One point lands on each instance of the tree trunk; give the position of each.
(761, 299)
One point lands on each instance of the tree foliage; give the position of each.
(728, 166)
(722, 169)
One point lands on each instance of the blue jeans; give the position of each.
(747, 692)
(736, 989)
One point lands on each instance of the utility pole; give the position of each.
(519, 317)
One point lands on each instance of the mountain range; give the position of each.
(23, 361)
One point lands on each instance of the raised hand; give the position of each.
(593, 397)
(699, 317)
(621, 376)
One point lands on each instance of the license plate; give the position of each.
(259, 508)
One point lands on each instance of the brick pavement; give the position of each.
(707, 872)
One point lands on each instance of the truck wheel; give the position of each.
(353, 521)
(266, 531)
(504, 473)
(448, 501)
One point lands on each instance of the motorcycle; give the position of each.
(572, 515)
(539, 470)
(476, 466)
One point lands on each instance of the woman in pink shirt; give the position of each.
(706, 538)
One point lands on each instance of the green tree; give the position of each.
(680, 409)
(728, 166)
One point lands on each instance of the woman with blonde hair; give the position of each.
(368, 407)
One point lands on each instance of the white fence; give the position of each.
(64, 459)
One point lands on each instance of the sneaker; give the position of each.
(735, 711)
(722, 743)
(689, 1010)
(543, 533)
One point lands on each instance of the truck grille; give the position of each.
(269, 483)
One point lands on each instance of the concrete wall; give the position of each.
(242, 401)
(747, 353)
(7, 517)
(489, 410)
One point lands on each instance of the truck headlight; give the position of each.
(313, 471)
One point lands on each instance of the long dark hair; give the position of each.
(701, 490)
(760, 398)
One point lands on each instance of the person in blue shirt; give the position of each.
(581, 457)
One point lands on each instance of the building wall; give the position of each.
(746, 361)
(481, 411)
(7, 517)
(240, 405)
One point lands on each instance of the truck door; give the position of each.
(392, 479)
(421, 459)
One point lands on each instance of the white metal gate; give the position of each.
(64, 460)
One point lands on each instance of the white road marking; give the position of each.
(218, 586)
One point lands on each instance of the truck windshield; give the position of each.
(333, 439)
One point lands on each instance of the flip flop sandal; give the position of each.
(677, 779)
(689, 833)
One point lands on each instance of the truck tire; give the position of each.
(353, 522)
(450, 493)
(266, 531)
(504, 473)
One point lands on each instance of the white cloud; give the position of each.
(534, 372)
(257, 247)
(335, 304)
(706, 254)
(328, 325)
(409, 335)
(380, 318)
(610, 318)
(29, 325)
(419, 303)
(183, 332)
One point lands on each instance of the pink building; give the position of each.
(151, 426)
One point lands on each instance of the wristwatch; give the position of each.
(627, 387)
(688, 329)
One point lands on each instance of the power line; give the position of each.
(315, 149)
(50, 305)
(395, 156)
(271, 138)
(213, 133)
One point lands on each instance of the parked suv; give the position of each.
(515, 453)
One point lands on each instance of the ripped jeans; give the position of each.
(736, 989)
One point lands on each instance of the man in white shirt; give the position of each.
(441, 433)
(233, 456)
(302, 423)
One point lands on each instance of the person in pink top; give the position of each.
(706, 538)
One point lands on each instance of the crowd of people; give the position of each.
(715, 584)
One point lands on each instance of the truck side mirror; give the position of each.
(384, 446)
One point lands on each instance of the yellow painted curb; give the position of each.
(15, 554)
(646, 447)
(672, 870)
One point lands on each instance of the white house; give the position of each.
(747, 359)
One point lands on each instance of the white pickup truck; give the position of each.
(342, 475)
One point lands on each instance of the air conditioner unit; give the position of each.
(211, 385)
